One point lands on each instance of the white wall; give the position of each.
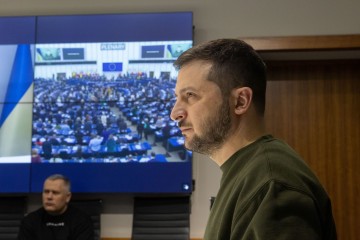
(219, 18)
(212, 19)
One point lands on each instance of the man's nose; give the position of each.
(178, 113)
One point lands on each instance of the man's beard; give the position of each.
(215, 131)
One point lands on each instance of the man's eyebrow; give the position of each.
(186, 89)
(181, 91)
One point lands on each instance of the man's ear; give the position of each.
(243, 97)
(68, 198)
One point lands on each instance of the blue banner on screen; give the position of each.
(112, 67)
(19, 83)
(152, 51)
(73, 53)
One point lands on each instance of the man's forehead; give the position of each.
(54, 182)
(196, 66)
(192, 76)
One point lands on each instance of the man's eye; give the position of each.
(190, 94)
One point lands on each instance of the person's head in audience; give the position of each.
(152, 156)
(56, 194)
(35, 157)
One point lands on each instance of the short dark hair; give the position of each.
(234, 64)
(61, 177)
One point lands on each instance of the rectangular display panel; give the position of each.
(101, 94)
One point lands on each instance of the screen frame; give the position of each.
(97, 177)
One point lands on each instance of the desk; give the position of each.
(139, 148)
(175, 131)
(175, 144)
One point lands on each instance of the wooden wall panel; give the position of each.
(307, 43)
(315, 107)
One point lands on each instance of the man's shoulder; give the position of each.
(79, 213)
(34, 215)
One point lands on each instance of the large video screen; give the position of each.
(91, 99)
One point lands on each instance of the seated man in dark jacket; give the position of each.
(56, 219)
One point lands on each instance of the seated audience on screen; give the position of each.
(69, 112)
(56, 219)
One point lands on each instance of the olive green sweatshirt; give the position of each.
(268, 192)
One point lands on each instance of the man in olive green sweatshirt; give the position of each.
(267, 191)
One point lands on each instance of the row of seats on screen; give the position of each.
(71, 124)
(87, 117)
(61, 122)
(84, 152)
